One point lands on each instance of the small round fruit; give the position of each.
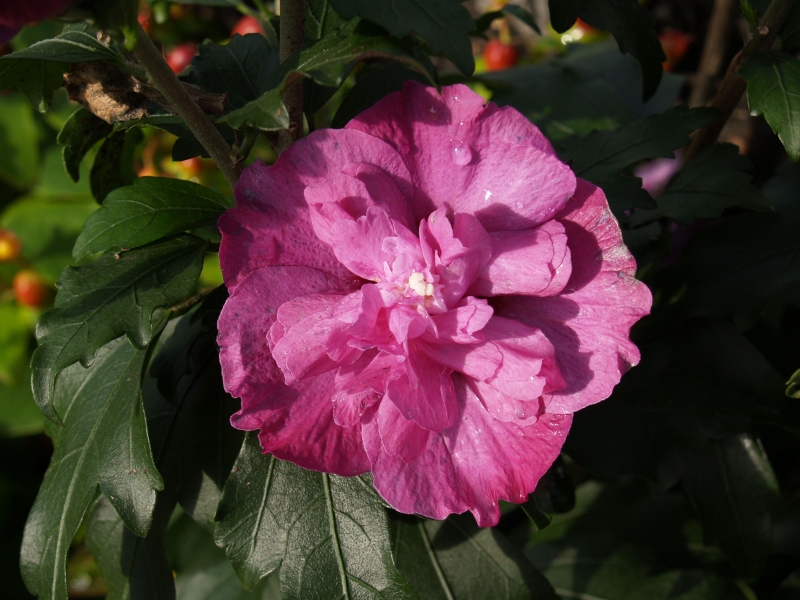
(145, 20)
(9, 246)
(30, 289)
(181, 56)
(245, 25)
(499, 56)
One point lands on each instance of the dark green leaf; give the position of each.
(793, 385)
(373, 87)
(624, 192)
(113, 164)
(736, 265)
(18, 143)
(483, 23)
(241, 68)
(194, 447)
(602, 155)
(731, 483)
(314, 526)
(321, 19)
(103, 443)
(115, 295)
(628, 21)
(773, 90)
(81, 131)
(151, 208)
(455, 560)
(187, 146)
(444, 24)
(37, 79)
(72, 46)
(268, 113)
(705, 187)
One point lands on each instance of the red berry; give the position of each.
(499, 56)
(245, 25)
(181, 56)
(675, 44)
(9, 246)
(145, 20)
(30, 289)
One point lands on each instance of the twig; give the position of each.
(732, 87)
(189, 303)
(713, 51)
(293, 13)
(165, 81)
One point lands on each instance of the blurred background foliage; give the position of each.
(634, 509)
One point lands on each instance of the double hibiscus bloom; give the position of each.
(427, 294)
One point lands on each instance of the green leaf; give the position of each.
(103, 444)
(705, 187)
(773, 90)
(81, 131)
(732, 484)
(737, 265)
(602, 155)
(115, 295)
(455, 560)
(327, 63)
(483, 23)
(371, 88)
(72, 46)
(151, 208)
(628, 21)
(321, 19)
(314, 526)
(194, 447)
(793, 385)
(203, 571)
(37, 79)
(19, 147)
(113, 164)
(444, 24)
(242, 68)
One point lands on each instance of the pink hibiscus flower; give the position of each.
(427, 294)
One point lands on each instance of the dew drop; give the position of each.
(460, 152)
(519, 204)
(487, 195)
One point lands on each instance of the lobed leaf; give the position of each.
(456, 560)
(151, 208)
(72, 46)
(80, 132)
(103, 443)
(773, 90)
(705, 187)
(628, 21)
(113, 165)
(115, 295)
(444, 24)
(321, 19)
(329, 535)
(37, 79)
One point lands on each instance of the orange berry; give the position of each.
(499, 56)
(245, 25)
(30, 289)
(9, 246)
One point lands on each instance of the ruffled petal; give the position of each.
(297, 425)
(401, 437)
(533, 262)
(589, 323)
(469, 157)
(505, 408)
(248, 370)
(361, 384)
(458, 326)
(271, 225)
(359, 244)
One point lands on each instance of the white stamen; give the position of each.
(416, 281)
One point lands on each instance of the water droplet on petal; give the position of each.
(487, 195)
(519, 204)
(460, 153)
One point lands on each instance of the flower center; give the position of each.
(416, 281)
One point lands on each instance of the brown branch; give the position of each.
(713, 51)
(293, 16)
(166, 82)
(732, 87)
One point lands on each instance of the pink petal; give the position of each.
(469, 157)
(362, 383)
(589, 322)
(401, 437)
(532, 262)
(271, 225)
(297, 425)
(469, 466)
(504, 408)
(247, 366)
(424, 393)
(460, 324)
(359, 244)
(480, 360)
